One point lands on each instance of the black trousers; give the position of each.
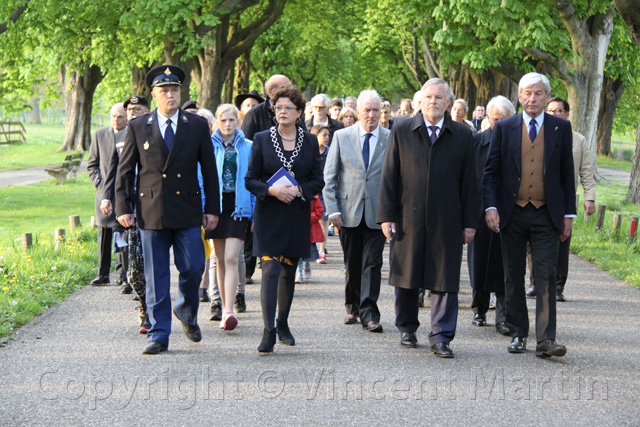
(362, 248)
(531, 225)
(105, 247)
(249, 260)
(444, 314)
(562, 268)
(276, 290)
(480, 304)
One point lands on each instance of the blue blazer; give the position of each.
(503, 170)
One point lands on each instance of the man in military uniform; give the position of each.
(166, 147)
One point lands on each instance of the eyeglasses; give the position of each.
(558, 111)
(279, 108)
(136, 109)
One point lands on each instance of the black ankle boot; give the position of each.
(285, 334)
(268, 341)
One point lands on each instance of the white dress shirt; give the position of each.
(162, 122)
(373, 140)
(438, 125)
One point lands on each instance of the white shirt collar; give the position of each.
(374, 133)
(439, 124)
(527, 119)
(163, 120)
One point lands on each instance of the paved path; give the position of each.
(615, 175)
(31, 175)
(80, 363)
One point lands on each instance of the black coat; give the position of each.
(430, 192)
(484, 253)
(504, 165)
(280, 228)
(334, 125)
(168, 192)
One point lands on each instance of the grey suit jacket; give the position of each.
(102, 148)
(349, 188)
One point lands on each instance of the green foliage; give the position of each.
(606, 249)
(627, 111)
(33, 281)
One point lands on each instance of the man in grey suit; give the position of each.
(352, 178)
(102, 148)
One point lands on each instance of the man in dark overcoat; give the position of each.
(103, 145)
(530, 197)
(428, 205)
(484, 253)
(166, 146)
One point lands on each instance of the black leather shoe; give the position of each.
(531, 292)
(502, 329)
(204, 295)
(560, 296)
(408, 339)
(190, 331)
(479, 320)
(100, 281)
(373, 326)
(249, 281)
(284, 334)
(518, 345)
(126, 288)
(268, 341)
(442, 349)
(154, 347)
(550, 348)
(421, 298)
(216, 312)
(240, 305)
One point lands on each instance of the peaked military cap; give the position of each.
(165, 75)
(136, 100)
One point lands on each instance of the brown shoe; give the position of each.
(350, 319)
(373, 326)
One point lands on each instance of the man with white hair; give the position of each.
(429, 208)
(352, 179)
(529, 197)
(320, 107)
(484, 253)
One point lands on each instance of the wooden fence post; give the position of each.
(58, 235)
(634, 229)
(617, 224)
(602, 208)
(74, 222)
(92, 222)
(27, 241)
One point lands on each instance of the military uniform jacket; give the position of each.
(167, 194)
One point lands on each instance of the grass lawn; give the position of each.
(39, 150)
(609, 163)
(609, 251)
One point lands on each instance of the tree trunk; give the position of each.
(177, 58)
(33, 115)
(633, 193)
(212, 67)
(611, 93)
(243, 71)
(462, 85)
(138, 85)
(81, 86)
(227, 96)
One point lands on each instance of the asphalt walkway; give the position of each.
(80, 363)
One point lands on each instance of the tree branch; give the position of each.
(244, 38)
(17, 12)
(558, 64)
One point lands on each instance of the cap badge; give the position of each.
(167, 71)
(134, 99)
(146, 145)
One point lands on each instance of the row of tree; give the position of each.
(482, 47)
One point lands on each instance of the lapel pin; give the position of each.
(556, 128)
(146, 145)
(150, 120)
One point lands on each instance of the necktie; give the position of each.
(168, 135)
(365, 150)
(434, 133)
(533, 132)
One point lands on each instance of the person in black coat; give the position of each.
(484, 253)
(282, 215)
(429, 207)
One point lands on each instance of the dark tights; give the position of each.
(276, 290)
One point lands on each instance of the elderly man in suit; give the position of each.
(166, 146)
(529, 197)
(102, 148)
(352, 180)
(484, 253)
(320, 105)
(429, 206)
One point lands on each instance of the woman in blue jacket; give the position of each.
(232, 152)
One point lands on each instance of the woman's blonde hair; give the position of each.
(225, 108)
